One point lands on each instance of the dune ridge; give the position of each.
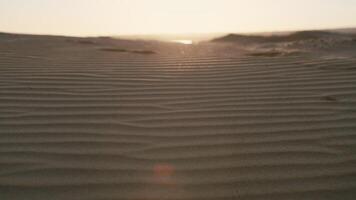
(296, 36)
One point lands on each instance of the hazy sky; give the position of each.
(122, 17)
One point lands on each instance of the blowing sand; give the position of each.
(168, 121)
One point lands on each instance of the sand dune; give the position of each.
(292, 37)
(100, 119)
(270, 45)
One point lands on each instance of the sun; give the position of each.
(186, 42)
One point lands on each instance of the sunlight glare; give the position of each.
(187, 42)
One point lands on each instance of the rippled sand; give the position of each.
(182, 122)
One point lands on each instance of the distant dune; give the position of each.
(293, 37)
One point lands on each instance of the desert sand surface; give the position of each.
(105, 119)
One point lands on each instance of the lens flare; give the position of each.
(163, 173)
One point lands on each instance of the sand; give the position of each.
(149, 120)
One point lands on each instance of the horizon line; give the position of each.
(177, 34)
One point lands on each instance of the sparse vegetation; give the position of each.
(86, 42)
(266, 54)
(114, 50)
(143, 52)
(330, 99)
(128, 51)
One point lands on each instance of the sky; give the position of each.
(136, 17)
